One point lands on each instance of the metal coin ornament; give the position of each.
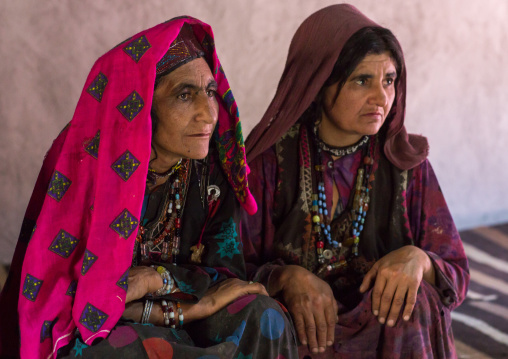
(197, 252)
(328, 254)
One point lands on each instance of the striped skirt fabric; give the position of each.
(480, 324)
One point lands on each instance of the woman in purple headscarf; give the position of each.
(130, 244)
(352, 231)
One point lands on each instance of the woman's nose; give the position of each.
(206, 108)
(378, 95)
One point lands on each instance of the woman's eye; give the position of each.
(210, 93)
(184, 96)
(389, 81)
(361, 82)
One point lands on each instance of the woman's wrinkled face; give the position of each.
(362, 104)
(185, 104)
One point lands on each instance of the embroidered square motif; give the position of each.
(58, 185)
(92, 147)
(92, 318)
(97, 87)
(64, 244)
(131, 106)
(88, 260)
(71, 291)
(31, 287)
(124, 224)
(125, 165)
(122, 282)
(46, 330)
(137, 48)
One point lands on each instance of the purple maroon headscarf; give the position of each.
(313, 53)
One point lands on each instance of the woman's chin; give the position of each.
(371, 130)
(197, 154)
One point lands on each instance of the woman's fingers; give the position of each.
(315, 325)
(310, 329)
(300, 327)
(320, 317)
(312, 305)
(398, 277)
(386, 299)
(227, 291)
(314, 319)
(331, 320)
(369, 277)
(377, 292)
(410, 301)
(397, 303)
(256, 288)
(241, 288)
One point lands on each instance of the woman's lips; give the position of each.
(376, 115)
(201, 135)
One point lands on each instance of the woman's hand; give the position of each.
(133, 311)
(216, 298)
(220, 295)
(141, 281)
(311, 303)
(397, 278)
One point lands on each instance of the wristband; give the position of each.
(167, 282)
(146, 311)
(180, 314)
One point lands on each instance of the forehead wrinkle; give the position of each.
(364, 69)
(182, 78)
(192, 86)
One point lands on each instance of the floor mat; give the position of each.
(480, 324)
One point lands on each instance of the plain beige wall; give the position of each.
(456, 54)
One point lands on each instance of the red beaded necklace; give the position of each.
(161, 243)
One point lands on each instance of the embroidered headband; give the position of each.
(185, 48)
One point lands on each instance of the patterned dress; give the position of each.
(253, 326)
(406, 208)
(68, 279)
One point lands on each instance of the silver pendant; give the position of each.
(213, 192)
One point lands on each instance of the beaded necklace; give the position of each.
(335, 253)
(338, 151)
(152, 176)
(161, 242)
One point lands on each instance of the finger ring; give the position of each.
(251, 282)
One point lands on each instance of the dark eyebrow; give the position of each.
(363, 76)
(369, 76)
(189, 86)
(184, 86)
(212, 84)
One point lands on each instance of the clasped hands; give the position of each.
(395, 279)
(144, 280)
